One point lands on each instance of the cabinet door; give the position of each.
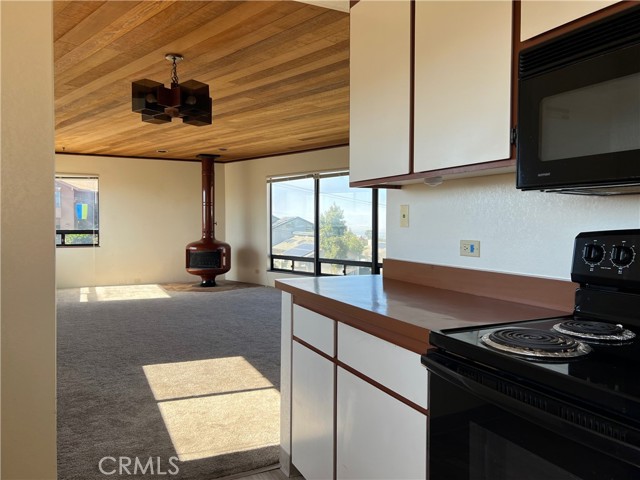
(539, 17)
(380, 89)
(378, 437)
(462, 83)
(315, 329)
(381, 361)
(312, 414)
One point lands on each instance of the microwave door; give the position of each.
(579, 125)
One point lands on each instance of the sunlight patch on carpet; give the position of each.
(209, 426)
(172, 381)
(215, 406)
(121, 292)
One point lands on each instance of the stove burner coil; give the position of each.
(536, 343)
(591, 330)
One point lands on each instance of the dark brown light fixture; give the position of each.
(189, 101)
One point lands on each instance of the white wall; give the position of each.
(149, 211)
(247, 213)
(27, 252)
(527, 233)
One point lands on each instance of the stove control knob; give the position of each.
(593, 254)
(622, 256)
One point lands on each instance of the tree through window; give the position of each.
(321, 226)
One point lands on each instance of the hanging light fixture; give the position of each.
(189, 101)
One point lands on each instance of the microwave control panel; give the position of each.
(608, 259)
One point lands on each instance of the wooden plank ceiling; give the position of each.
(278, 73)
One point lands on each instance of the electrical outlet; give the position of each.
(470, 248)
(404, 216)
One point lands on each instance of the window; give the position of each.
(76, 201)
(320, 226)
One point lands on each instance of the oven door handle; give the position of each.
(621, 450)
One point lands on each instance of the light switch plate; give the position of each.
(404, 216)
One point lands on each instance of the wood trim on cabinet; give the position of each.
(312, 348)
(412, 83)
(362, 376)
(535, 291)
(402, 334)
(575, 24)
(379, 386)
(507, 164)
(501, 166)
(453, 172)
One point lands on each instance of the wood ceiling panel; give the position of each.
(68, 14)
(278, 74)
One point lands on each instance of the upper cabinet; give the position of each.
(380, 89)
(462, 83)
(538, 17)
(430, 89)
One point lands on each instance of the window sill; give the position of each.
(291, 272)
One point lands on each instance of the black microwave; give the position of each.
(578, 127)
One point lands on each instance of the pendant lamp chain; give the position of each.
(174, 73)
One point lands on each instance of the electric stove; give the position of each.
(574, 378)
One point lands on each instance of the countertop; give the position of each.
(401, 312)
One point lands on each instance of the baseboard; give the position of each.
(286, 466)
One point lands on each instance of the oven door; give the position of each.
(578, 124)
(483, 427)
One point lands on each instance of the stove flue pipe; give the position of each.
(208, 195)
(208, 257)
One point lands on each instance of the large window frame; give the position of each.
(77, 237)
(317, 262)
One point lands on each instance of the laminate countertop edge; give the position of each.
(400, 312)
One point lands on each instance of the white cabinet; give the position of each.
(461, 110)
(315, 329)
(380, 66)
(357, 402)
(312, 394)
(381, 361)
(378, 436)
(541, 16)
(312, 414)
(462, 83)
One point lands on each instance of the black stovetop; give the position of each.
(609, 375)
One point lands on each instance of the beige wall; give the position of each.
(247, 211)
(27, 252)
(149, 211)
(161, 200)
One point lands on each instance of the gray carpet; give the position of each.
(157, 374)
